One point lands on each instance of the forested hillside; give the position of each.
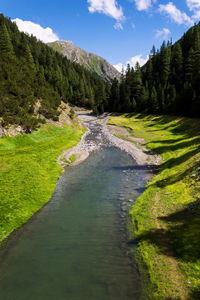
(169, 83)
(32, 74)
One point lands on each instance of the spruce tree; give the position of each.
(6, 47)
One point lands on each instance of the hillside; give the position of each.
(95, 64)
(32, 74)
(169, 83)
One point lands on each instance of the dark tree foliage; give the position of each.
(31, 71)
(168, 83)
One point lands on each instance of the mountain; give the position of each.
(93, 63)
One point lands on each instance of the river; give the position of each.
(76, 247)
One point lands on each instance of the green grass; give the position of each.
(29, 172)
(72, 159)
(166, 217)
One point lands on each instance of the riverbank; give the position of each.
(101, 134)
(29, 171)
(165, 217)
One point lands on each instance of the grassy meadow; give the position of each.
(166, 217)
(29, 172)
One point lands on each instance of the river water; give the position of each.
(76, 247)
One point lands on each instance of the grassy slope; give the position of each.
(29, 171)
(166, 217)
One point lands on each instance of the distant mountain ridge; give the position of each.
(92, 62)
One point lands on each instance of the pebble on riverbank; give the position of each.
(100, 134)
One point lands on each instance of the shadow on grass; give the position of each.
(185, 126)
(182, 237)
(179, 176)
(176, 178)
(170, 141)
(195, 294)
(180, 145)
(177, 298)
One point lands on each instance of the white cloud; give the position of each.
(193, 4)
(132, 62)
(138, 58)
(118, 26)
(119, 67)
(107, 7)
(163, 34)
(175, 14)
(46, 35)
(196, 15)
(143, 4)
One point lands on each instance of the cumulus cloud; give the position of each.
(119, 67)
(194, 6)
(196, 15)
(143, 4)
(138, 58)
(107, 7)
(163, 34)
(175, 14)
(45, 35)
(132, 62)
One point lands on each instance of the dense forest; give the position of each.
(31, 73)
(169, 83)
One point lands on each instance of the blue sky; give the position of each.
(119, 30)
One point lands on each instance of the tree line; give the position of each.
(169, 83)
(30, 71)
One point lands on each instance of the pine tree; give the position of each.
(137, 85)
(153, 101)
(165, 65)
(189, 66)
(177, 65)
(6, 47)
(114, 96)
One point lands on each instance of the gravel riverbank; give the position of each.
(100, 134)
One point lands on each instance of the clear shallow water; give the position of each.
(75, 248)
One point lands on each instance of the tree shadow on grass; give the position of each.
(170, 298)
(190, 171)
(170, 141)
(181, 239)
(175, 178)
(185, 126)
(179, 145)
(193, 295)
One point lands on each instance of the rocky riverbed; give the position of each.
(100, 134)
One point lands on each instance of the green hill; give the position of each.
(32, 72)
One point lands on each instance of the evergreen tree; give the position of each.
(153, 101)
(6, 47)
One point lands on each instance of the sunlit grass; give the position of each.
(29, 172)
(166, 218)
